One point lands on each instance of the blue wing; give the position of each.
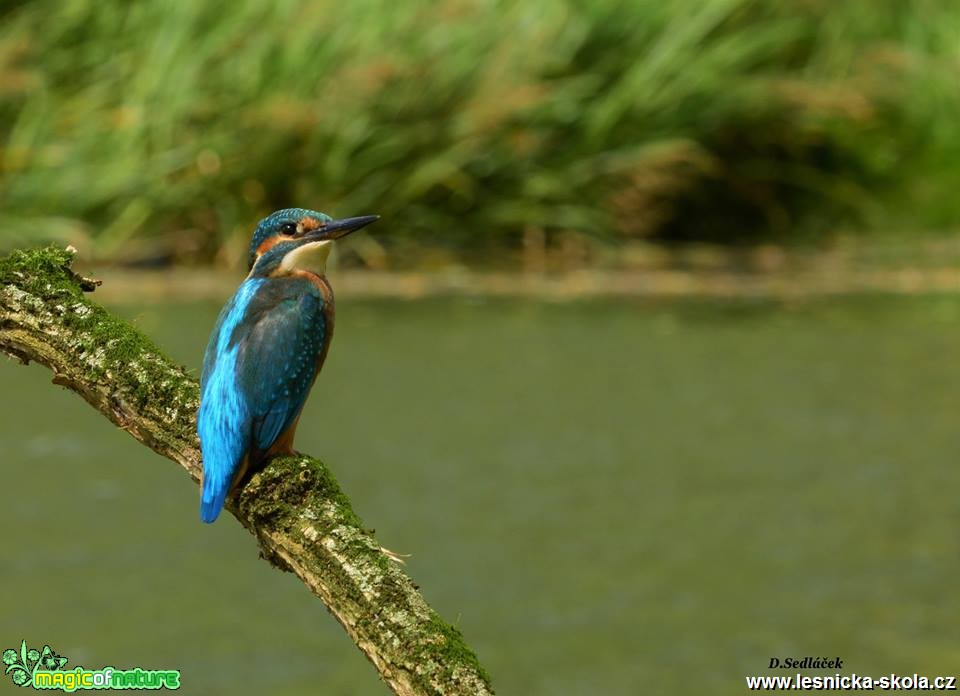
(258, 369)
(278, 363)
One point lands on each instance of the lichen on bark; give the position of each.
(301, 518)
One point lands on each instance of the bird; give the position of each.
(266, 349)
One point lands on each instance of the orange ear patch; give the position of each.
(309, 224)
(270, 242)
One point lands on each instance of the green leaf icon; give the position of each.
(50, 660)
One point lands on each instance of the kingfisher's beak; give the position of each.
(341, 228)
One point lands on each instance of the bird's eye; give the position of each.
(288, 228)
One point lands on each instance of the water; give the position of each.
(607, 498)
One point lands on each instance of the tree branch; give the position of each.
(294, 507)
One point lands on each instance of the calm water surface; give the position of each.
(607, 498)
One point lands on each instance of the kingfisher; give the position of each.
(266, 349)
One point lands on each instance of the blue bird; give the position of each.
(266, 349)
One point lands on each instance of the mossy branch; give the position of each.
(300, 517)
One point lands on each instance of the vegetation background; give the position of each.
(159, 132)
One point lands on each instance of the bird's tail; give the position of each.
(212, 499)
(218, 481)
(222, 443)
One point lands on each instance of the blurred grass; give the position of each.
(158, 131)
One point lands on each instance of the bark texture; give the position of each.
(294, 507)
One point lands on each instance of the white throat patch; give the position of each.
(311, 256)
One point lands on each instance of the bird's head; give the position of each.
(295, 238)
